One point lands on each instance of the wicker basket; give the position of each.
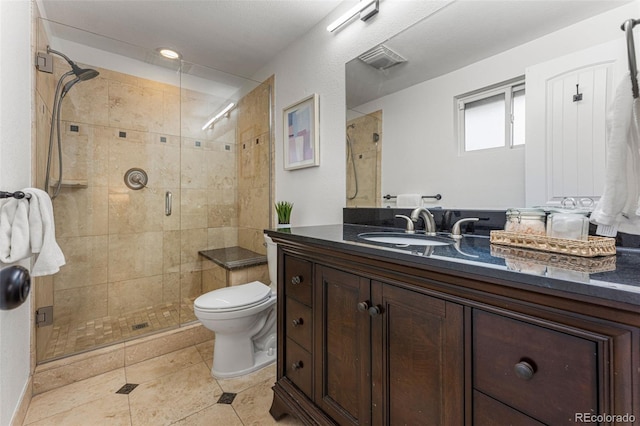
(595, 246)
(546, 259)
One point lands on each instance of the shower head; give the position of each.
(85, 74)
(81, 73)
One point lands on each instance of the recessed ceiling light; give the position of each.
(168, 53)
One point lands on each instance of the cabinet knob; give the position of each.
(297, 365)
(363, 306)
(524, 370)
(374, 311)
(296, 279)
(297, 322)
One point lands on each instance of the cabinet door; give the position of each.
(342, 347)
(417, 358)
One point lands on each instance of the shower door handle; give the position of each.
(167, 203)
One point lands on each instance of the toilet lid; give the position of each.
(235, 297)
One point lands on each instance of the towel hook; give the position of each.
(578, 96)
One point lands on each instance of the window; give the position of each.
(492, 117)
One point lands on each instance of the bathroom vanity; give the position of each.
(375, 333)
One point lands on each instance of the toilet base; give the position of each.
(261, 360)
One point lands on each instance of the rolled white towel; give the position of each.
(409, 200)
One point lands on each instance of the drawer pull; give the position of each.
(363, 306)
(296, 279)
(297, 322)
(297, 365)
(374, 311)
(524, 370)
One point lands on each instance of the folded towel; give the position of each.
(14, 230)
(49, 257)
(409, 200)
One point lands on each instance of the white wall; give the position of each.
(318, 60)
(315, 64)
(16, 96)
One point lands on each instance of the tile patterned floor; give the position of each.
(69, 338)
(173, 389)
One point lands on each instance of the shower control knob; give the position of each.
(297, 365)
(297, 279)
(297, 322)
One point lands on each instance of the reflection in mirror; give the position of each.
(364, 149)
(462, 49)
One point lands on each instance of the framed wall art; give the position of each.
(301, 134)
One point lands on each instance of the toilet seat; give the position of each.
(233, 298)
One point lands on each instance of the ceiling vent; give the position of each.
(381, 57)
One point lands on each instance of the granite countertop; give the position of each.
(615, 278)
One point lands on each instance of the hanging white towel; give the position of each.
(619, 206)
(49, 256)
(409, 200)
(14, 230)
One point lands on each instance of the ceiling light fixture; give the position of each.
(217, 116)
(366, 9)
(168, 53)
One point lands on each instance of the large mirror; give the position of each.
(405, 134)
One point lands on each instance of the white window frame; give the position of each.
(507, 88)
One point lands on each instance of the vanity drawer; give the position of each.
(543, 373)
(488, 412)
(298, 323)
(297, 279)
(297, 366)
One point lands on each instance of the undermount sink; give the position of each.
(402, 239)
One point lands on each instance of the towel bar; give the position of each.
(437, 196)
(18, 195)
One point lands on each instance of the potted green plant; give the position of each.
(283, 209)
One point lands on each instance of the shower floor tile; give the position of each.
(71, 338)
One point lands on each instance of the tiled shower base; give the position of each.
(72, 338)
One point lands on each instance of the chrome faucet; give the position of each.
(429, 221)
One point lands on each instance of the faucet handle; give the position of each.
(455, 229)
(410, 229)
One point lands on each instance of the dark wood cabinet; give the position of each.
(365, 342)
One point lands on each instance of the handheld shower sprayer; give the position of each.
(62, 88)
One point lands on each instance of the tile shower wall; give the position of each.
(367, 155)
(254, 168)
(123, 254)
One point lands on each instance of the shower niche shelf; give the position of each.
(79, 184)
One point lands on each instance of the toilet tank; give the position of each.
(272, 261)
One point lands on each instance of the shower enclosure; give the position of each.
(133, 266)
(364, 159)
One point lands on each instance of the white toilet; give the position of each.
(243, 318)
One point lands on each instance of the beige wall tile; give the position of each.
(171, 287)
(213, 278)
(193, 209)
(136, 108)
(136, 211)
(86, 262)
(171, 246)
(135, 255)
(190, 284)
(131, 295)
(80, 304)
(87, 102)
(82, 212)
(222, 237)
